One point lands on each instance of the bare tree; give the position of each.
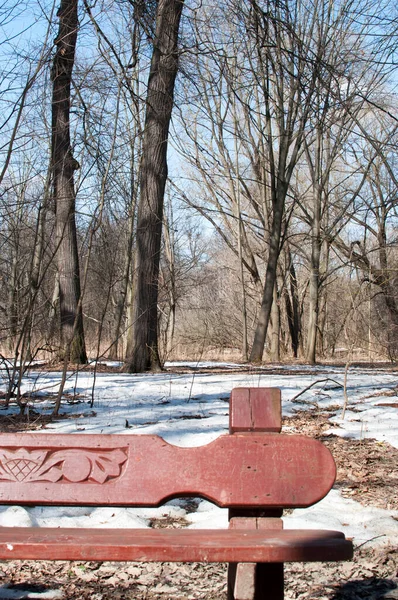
(344, 68)
(370, 246)
(287, 79)
(63, 167)
(142, 345)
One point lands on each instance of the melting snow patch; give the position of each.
(15, 516)
(363, 524)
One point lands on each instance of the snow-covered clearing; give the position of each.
(191, 409)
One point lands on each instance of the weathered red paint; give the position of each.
(190, 545)
(247, 470)
(255, 409)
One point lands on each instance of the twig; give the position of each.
(370, 540)
(314, 383)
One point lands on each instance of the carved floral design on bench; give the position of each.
(73, 465)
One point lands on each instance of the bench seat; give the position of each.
(189, 545)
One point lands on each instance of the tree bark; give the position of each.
(316, 243)
(120, 298)
(63, 166)
(270, 279)
(275, 348)
(142, 342)
(170, 274)
(292, 304)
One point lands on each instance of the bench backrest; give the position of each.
(249, 469)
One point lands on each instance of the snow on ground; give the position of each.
(192, 409)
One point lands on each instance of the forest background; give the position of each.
(198, 179)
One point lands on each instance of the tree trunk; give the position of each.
(314, 278)
(63, 166)
(270, 279)
(275, 350)
(12, 311)
(169, 251)
(142, 343)
(315, 167)
(120, 299)
(323, 320)
(292, 305)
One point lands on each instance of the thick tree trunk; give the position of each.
(63, 166)
(142, 343)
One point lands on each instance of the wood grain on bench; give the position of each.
(189, 545)
(246, 470)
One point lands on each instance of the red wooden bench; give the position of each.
(254, 471)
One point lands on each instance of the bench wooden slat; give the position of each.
(255, 409)
(188, 545)
(240, 470)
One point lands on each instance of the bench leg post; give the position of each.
(255, 581)
(255, 410)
